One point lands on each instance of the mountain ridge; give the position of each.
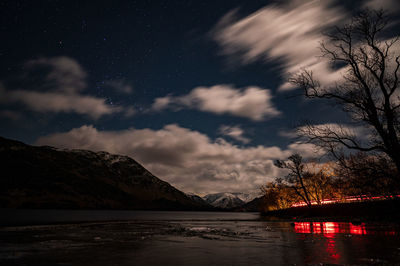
(47, 177)
(227, 200)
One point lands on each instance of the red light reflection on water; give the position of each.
(326, 228)
(302, 228)
(330, 229)
(332, 250)
(357, 229)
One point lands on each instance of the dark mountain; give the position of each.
(255, 205)
(198, 199)
(45, 177)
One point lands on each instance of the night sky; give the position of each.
(196, 91)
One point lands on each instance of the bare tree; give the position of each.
(318, 181)
(295, 177)
(369, 91)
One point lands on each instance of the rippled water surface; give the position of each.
(189, 238)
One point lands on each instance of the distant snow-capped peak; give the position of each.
(228, 200)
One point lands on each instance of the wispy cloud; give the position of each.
(58, 102)
(62, 73)
(288, 33)
(234, 132)
(60, 83)
(358, 131)
(387, 5)
(120, 85)
(360, 134)
(250, 102)
(186, 158)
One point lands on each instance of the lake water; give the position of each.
(46, 237)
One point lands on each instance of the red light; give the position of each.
(346, 199)
(357, 229)
(302, 228)
(317, 228)
(332, 251)
(326, 228)
(331, 228)
(328, 233)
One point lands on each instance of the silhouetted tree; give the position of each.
(367, 175)
(369, 91)
(295, 177)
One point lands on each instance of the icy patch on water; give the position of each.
(214, 231)
(199, 229)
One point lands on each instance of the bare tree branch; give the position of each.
(369, 91)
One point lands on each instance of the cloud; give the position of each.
(342, 129)
(360, 132)
(288, 133)
(58, 102)
(251, 102)
(129, 111)
(234, 132)
(119, 85)
(187, 159)
(390, 6)
(63, 73)
(349, 134)
(306, 150)
(56, 85)
(288, 33)
(162, 103)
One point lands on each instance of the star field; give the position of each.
(165, 79)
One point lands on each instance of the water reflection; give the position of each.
(329, 229)
(338, 242)
(188, 240)
(331, 249)
(357, 229)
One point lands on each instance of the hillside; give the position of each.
(255, 205)
(45, 177)
(198, 200)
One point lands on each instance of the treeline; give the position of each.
(309, 183)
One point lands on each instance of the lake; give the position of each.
(64, 237)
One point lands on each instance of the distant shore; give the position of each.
(382, 210)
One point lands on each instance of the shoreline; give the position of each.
(367, 211)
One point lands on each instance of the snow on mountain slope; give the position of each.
(227, 200)
(245, 197)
